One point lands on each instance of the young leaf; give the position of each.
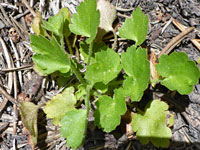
(106, 67)
(59, 24)
(135, 28)
(29, 115)
(73, 127)
(151, 125)
(137, 67)
(54, 24)
(108, 14)
(57, 107)
(49, 57)
(179, 72)
(85, 22)
(67, 19)
(81, 91)
(109, 111)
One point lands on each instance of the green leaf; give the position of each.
(109, 111)
(81, 91)
(64, 12)
(29, 116)
(62, 80)
(135, 28)
(57, 107)
(84, 50)
(74, 125)
(100, 87)
(54, 24)
(105, 68)
(178, 71)
(59, 24)
(85, 22)
(151, 125)
(137, 67)
(49, 57)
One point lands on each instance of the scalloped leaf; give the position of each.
(150, 125)
(86, 21)
(178, 71)
(135, 28)
(50, 56)
(137, 67)
(105, 68)
(58, 24)
(57, 107)
(73, 127)
(109, 111)
(29, 115)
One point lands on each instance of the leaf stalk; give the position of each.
(90, 52)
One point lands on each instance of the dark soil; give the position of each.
(15, 21)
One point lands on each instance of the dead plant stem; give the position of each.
(175, 41)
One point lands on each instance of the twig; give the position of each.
(17, 62)
(21, 15)
(22, 19)
(8, 61)
(8, 6)
(196, 42)
(166, 25)
(15, 116)
(29, 7)
(3, 104)
(123, 9)
(175, 41)
(10, 98)
(5, 15)
(3, 126)
(27, 67)
(122, 15)
(182, 27)
(3, 19)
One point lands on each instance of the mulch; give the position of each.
(17, 78)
